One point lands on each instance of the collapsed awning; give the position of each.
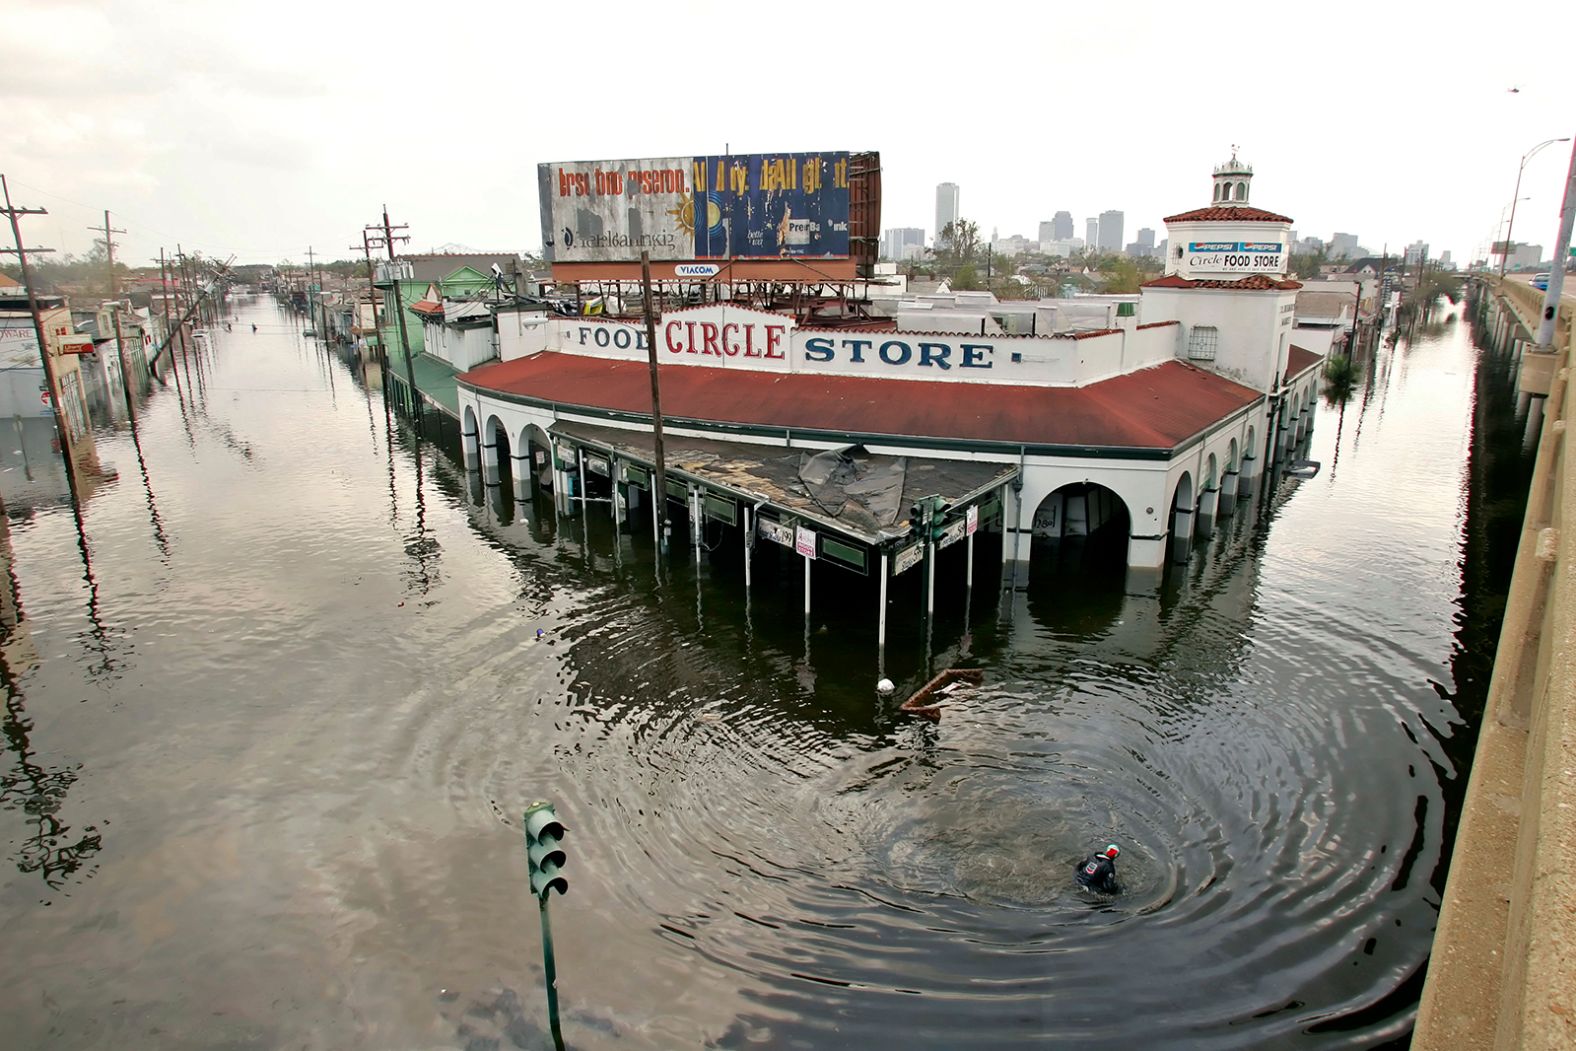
(863, 495)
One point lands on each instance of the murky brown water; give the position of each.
(273, 714)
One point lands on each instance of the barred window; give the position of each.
(1201, 345)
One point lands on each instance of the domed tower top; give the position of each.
(1231, 181)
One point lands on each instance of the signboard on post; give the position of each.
(907, 558)
(804, 542)
(776, 532)
(952, 533)
(759, 205)
(972, 519)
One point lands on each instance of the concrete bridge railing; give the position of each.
(1503, 969)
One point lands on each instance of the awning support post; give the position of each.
(580, 458)
(613, 472)
(969, 579)
(656, 498)
(748, 536)
(807, 592)
(881, 621)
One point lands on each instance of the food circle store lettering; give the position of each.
(770, 343)
(924, 353)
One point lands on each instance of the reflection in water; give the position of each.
(315, 782)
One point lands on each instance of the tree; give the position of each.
(967, 279)
(1120, 275)
(960, 239)
(1308, 264)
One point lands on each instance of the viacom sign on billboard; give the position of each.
(758, 206)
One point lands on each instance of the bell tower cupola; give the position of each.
(1231, 181)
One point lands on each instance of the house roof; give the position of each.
(1373, 261)
(7, 281)
(1252, 283)
(1323, 306)
(1222, 213)
(1156, 408)
(427, 306)
(437, 266)
(1299, 361)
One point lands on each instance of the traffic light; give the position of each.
(543, 834)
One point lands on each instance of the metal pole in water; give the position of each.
(881, 622)
(550, 972)
(807, 592)
(748, 536)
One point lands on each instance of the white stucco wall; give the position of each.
(737, 338)
(1253, 328)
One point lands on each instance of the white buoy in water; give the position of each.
(885, 687)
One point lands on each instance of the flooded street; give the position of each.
(274, 709)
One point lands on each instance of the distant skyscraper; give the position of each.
(1111, 231)
(1047, 232)
(1063, 223)
(1416, 252)
(947, 196)
(896, 240)
(1092, 233)
(1146, 241)
(1343, 246)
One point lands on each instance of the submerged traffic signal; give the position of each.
(543, 834)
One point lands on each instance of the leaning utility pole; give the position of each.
(372, 292)
(114, 295)
(387, 241)
(12, 212)
(1562, 244)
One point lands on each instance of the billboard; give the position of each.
(755, 206)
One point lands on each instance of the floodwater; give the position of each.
(275, 701)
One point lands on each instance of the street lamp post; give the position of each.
(1525, 157)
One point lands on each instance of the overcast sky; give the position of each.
(260, 129)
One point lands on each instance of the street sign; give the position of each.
(776, 532)
(908, 558)
(952, 533)
(973, 519)
(804, 542)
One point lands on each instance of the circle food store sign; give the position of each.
(1238, 257)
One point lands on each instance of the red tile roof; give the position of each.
(1254, 282)
(1299, 361)
(1228, 213)
(426, 306)
(1154, 408)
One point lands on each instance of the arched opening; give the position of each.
(1079, 528)
(1217, 190)
(1208, 496)
(1242, 191)
(497, 461)
(1181, 518)
(538, 462)
(470, 440)
(1228, 481)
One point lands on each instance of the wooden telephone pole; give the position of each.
(114, 295)
(20, 251)
(385, 238)
(372, 291)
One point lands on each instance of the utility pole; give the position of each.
(372, 291)
(114, 295)
(388, 240)
(659, 483)
(12, 212)
(1562, 244)
(311, 279)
